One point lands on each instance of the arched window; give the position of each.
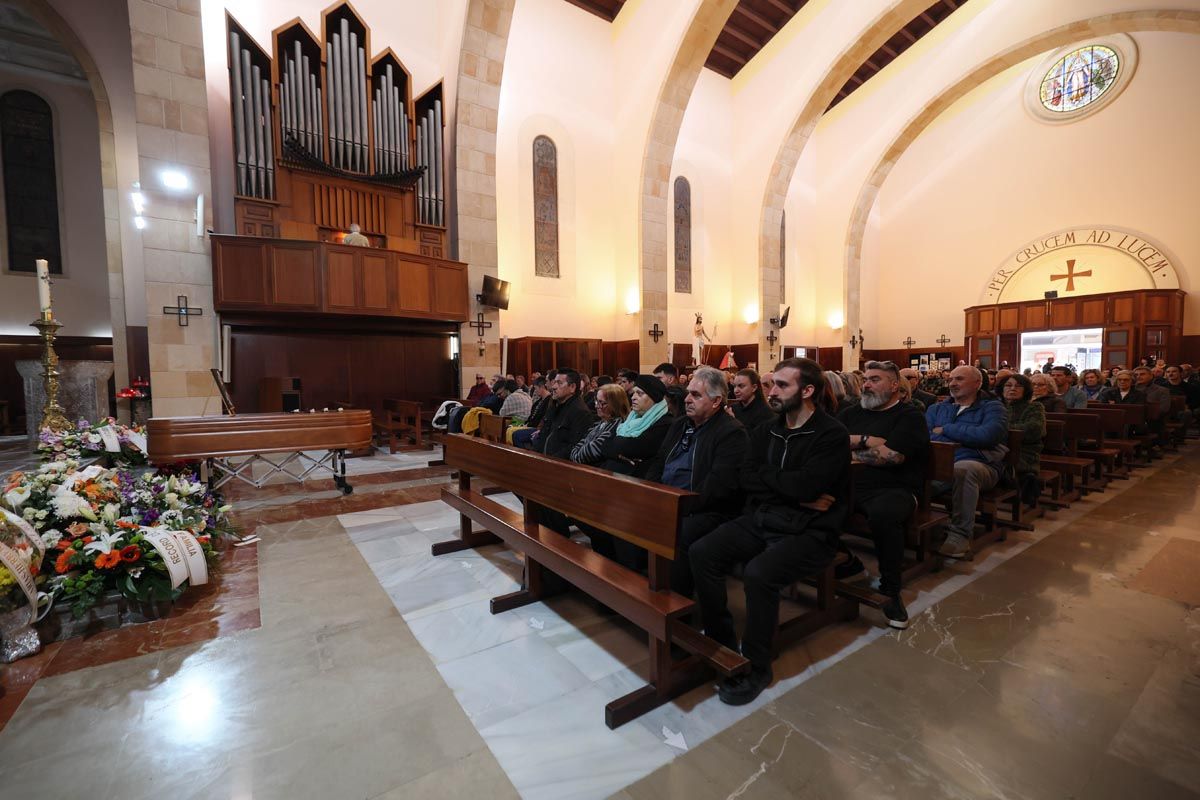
(782, 256)
(30, 181)
(545, 207)
(683, 235)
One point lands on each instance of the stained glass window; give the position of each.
(545, 207)
(1079, 78)
(683, 235)
(782, 256)
(30, 182)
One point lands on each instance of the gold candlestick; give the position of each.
(53, 415)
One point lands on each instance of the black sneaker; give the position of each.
(897, 615)
(849, 569)
(742, 689)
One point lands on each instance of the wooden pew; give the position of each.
(991, 500)
(1085, 439)
(918, 533)
(646, 514)
(1072, 471)
(1114, 424)
(398, 419)
(492, 428)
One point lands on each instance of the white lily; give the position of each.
(104, 543)
(17, 497)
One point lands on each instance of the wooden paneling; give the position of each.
(987, 321)
(449, 299)
(1157, 309)
(1092, 311)
(416, 285)
(341, 281)
(378, 283)
(1009, 319)
(1123, 308)
(1064, 313)
(242, 279)
(335, 367)
(295, 277)
(1033, 317)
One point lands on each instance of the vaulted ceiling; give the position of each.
(605, 9)
(752, 24)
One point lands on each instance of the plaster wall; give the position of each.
(988, 178)
(80, 292)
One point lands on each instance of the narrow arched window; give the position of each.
(545, 207)
(782, 256)
(683, 235)
(30, 181)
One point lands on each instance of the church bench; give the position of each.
(991, 500)
(918, 533)
(1071, 472)
(492, 428)
(400, 418)
(644, 513)
(1078, 429)
(1112, 456)
(1120, 422)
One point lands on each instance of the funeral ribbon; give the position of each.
(18, 564)
(181, 553)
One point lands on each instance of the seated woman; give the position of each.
(612, 406)
(1092, 383)
(1029, 416)
(1044, 392)
(1124, 391)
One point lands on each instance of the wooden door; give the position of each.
(1120, 347)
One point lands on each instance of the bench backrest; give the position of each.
(646, 514)
(1055, 440)
(493, 427)
(938, 467)
(1112, 418)
(1079, 424)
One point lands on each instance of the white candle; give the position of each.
(43, 284)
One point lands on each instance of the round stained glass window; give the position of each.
(1079, 78)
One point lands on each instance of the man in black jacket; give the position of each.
(703, 452)
(568, 420)
(748, 406)
(796, 480)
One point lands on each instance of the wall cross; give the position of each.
(655, 332)
(480, 324)
(943, 340)
(1071, 275)
(909, 342)
(181, 311)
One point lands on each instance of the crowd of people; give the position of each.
(770, 456)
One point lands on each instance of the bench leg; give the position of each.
(667, 680)
(468, 542)
(535, 589)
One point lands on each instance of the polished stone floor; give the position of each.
(1064, 663)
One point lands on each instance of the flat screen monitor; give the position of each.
(495, 292)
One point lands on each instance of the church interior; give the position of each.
(533, 399)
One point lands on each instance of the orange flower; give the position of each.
(14, 480)
(77, 528)
(89, 539)
(124, 523)
(130, 553)
(35, 570)
(64, 562)
(107, 560)
(63, 544)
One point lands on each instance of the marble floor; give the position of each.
(1063, 663)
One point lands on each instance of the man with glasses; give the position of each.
(891, 440)
(702, 452)
(914, 385)
(478, 392)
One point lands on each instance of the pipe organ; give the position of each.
(326, 134)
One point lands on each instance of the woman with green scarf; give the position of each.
(642, 432)
(1028, 416)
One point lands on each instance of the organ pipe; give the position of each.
(254, 163)
(239, 121)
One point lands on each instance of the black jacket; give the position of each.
(926, 398)
(720, 450)
(563, 427)
(631, 455)
(785, 467)
(753, 415)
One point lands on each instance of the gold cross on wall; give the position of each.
(1071, 275)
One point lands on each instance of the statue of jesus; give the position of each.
(700, 338)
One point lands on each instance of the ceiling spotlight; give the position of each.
(139, 222)
(174, 179)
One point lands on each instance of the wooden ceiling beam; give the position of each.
(759, 20)
(733, 56)
(754, 44)
(784, 8)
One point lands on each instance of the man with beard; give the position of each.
(796, 479)
(748, 406)
(890, 438)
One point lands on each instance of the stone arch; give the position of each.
(653, 210)
(1125, 22)
(49, 19)
(882, 28)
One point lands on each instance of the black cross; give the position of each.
(480, 324)
(909, 342)
(943, 340)
(654, 333)
(181, 311)
(772, 338)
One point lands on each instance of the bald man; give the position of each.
(979, 426)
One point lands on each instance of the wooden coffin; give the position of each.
(194, 438)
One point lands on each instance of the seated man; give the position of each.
(1159, 396)
(914, 384)
(1122, 390)
(702, 452)
(766, 381)
(543, 401)
(748, 406)
(567, 422)
(667, 373)
(796, 478)
(478, 392)
(496, 399)
(891, 439)
(1064, 386)
(979, 427)
(517, 404)
(625, 379)
(1190, 392)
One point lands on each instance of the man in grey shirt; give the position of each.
(1073, 396)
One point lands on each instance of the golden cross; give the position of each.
(1071, 275)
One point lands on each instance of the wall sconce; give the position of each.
(750, 313)
(855, 342)
(632, 304)
(836, 320)
(482, 347)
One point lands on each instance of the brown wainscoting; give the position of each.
(901, 356)
(68, 348)
(1189, 350)
(362, 367)
(137, 351)
(619, 355)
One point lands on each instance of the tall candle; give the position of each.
(43, 284)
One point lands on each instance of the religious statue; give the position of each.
(700, 338)
(355, 237)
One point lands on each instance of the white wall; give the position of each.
(988, 177)
(81, 292)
